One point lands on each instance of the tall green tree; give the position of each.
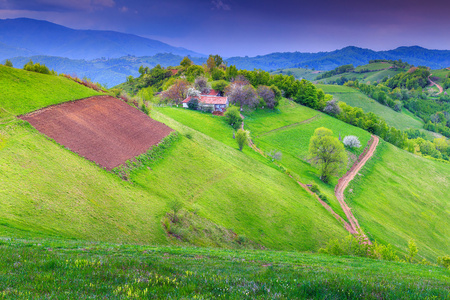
(327, 153)
(242, 137)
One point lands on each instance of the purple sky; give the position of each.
(250, 27)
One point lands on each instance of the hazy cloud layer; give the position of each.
(251, 27)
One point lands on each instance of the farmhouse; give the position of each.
(209, 102)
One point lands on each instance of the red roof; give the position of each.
(209, 99)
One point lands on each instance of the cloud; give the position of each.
(57, 5)
(218, 4)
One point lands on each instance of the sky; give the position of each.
(254, 27)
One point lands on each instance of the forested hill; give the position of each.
(46, 38)
(415, 55)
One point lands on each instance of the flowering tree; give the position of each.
(177, 92)
(244, 95)
(267, 94)
(351, 141)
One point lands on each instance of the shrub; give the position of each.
(444, 261)
(233, 117)
(8, 63)
(351, 141)
(242, 137)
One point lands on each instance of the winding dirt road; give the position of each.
(441, 90)
(352, 226)
(345, 180)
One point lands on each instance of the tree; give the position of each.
(267, 94)
(202, 84)
(242, 137)
(210, 63)
(220, 86)
(186, 62)
(351, 141)
(327, 153)
(8, 63)
(233, 117)
(332, 108)
(177, 92)
(244, 95)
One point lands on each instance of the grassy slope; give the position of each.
(357, 99)
(23, 92)
(290, 213)
(293, 141)
(374, 66)
(364, 77)
(441, 73)
(54, 269)
(401, 196)
(299, 73)
(48, 190)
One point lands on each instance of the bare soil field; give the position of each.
(102, 129)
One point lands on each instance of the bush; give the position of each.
(8, 63)
(242, 137)
(351, 141)
(233, 117)
(444, 261)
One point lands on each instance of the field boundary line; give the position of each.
(318, 116)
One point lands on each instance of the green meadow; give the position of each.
(43, 269)
(400, 120)
(374, 66)
(23, 92)
(400, 196)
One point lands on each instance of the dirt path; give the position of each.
(441, 90)
(346, 225)
(345, 180)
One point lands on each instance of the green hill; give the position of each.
(299, 73)
(67, 208)
(353, 97)
(23, 91)
(401, 196)
(48, 190)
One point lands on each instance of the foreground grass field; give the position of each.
(23, 91)
(400, 196)
(61, 270)
(357, 99)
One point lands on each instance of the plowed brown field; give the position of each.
(102, 129)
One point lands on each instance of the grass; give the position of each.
(293, 141)
(357, 99)
(401, 196)
(54, 269)
(23, 91)
(252, 198)
(442, 74)
(367, 77)
(48, 190)
(298, 73)
(374, 66)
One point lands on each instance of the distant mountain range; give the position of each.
(109, 57)
(435, 59)
(19, 37)
(106, 71)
